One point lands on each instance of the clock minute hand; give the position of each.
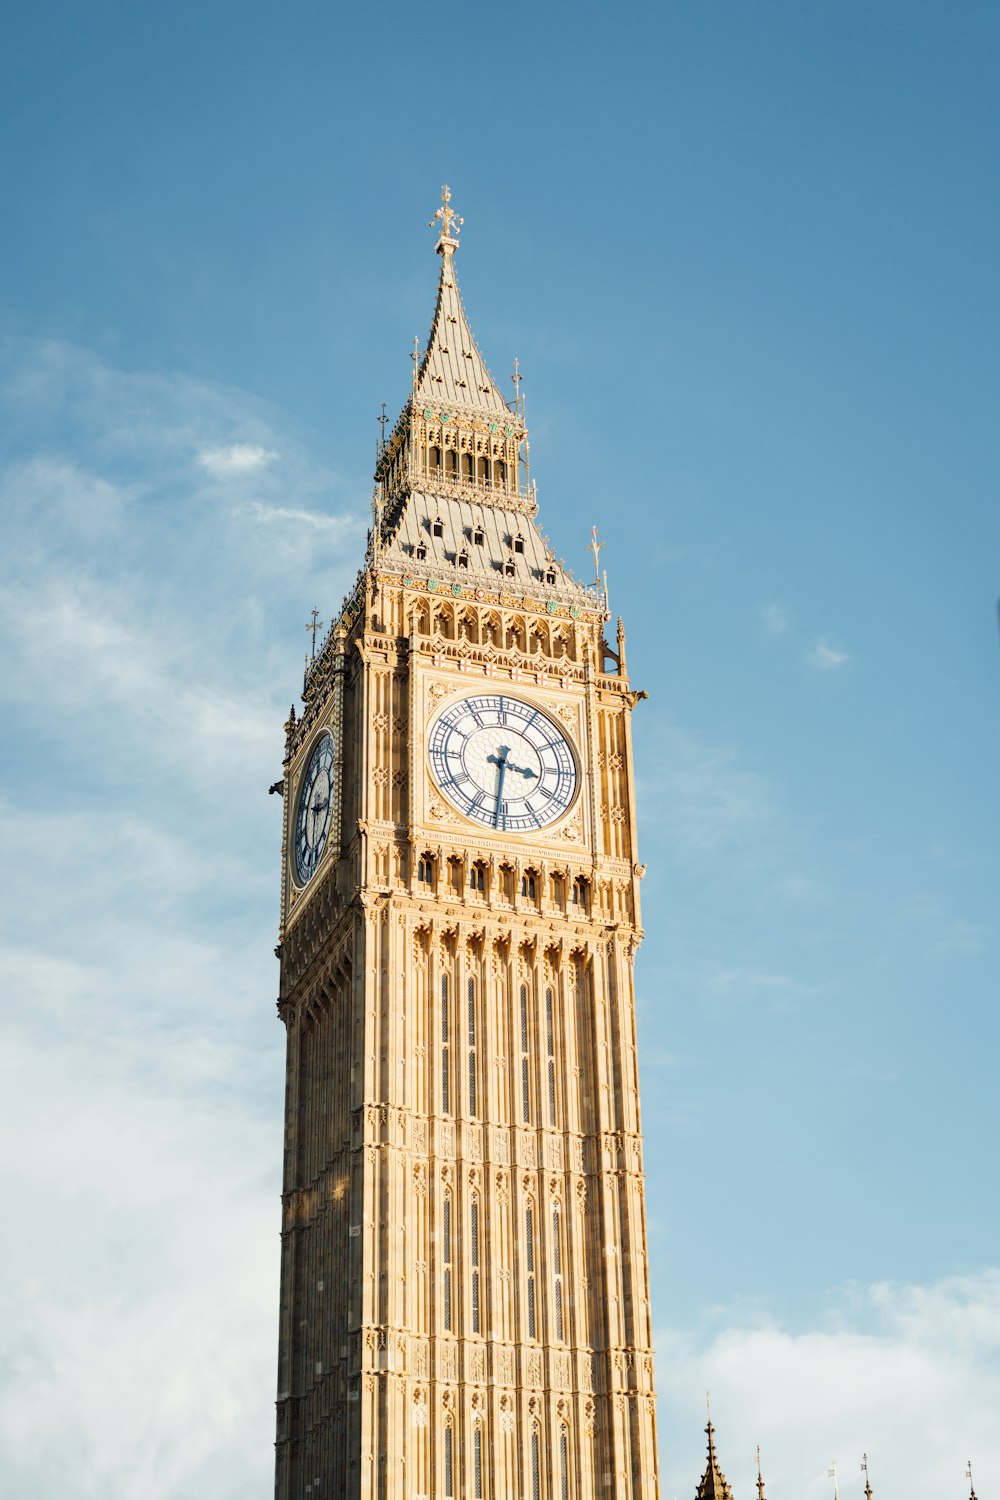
(501, 762)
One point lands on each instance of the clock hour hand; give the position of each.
(521, 770)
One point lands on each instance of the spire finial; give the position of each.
(968, 1475)
(864, 1470)
(450, 223)
(595, 547)
(832, 1474)
(315, 625)
(760, 1477)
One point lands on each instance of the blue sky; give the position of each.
(746, 256)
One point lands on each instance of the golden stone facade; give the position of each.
(465, 1295)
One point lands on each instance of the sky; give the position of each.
(746, 256)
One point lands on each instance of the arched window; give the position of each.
(446, 1261)
(550, 1046)
(580, 892)
(529, 885)
(450, 462)
(473, 1110)
(557, 1282)
(535, 1476)
(449, 1462)
(445, 1049)
(477, 876)
(529, 1261)
(483, 469)
(525, 1070)
(466, 465)
(434, 459)
(477, 1463)
(500, 473)
(425, 869)
(474, 1238)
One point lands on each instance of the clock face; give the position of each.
(503, 763)
(312, 816)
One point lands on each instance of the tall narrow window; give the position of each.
(550, 1044)
(525, 1071)
(563, 1465)
(474, 1237)
(473, 1110)
(535, 1485)
(477, 1462)
(557, 1274)
(445, 1049)
(449, 1462)
(446, 1260)
(529, 1249)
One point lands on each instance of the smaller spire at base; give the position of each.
(713, 1484)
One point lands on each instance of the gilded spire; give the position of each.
(452, 372)
(760, 1477)
(968, 1475)
(864, 1470)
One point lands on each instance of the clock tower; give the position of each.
(464, 1284)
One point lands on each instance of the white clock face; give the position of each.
(503, 763)
(312, 817)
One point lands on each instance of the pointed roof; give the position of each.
(452, 371)
(713, 1484)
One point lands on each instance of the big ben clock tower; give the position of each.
(464, 1286)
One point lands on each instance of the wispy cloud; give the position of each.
(236, 459)
(828, 655)
(775, 618)
(705, 794)
(270, 515)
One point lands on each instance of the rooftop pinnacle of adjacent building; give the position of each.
(713, 1484)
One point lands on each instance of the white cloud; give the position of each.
(908, 1374)
(268, 515)
(704, 795)
(235, 459)
(828, 655)
(775, 618)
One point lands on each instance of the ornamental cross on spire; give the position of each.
(315, 625)
(450, 221)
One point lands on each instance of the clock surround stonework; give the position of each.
(464, 1283)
